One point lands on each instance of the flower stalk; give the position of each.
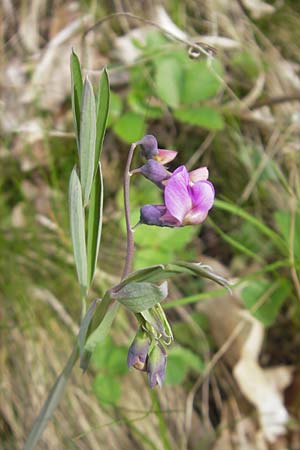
(130, 240)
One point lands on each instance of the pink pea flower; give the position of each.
(187, 200)
(150, 150)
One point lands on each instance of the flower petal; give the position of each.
(165, 156)
(200, 174)
(177, 197)
(195, 216)
(203, 195)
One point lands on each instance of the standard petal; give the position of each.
(203, 195)
(177, 197)
(165, 156)
(200, 174)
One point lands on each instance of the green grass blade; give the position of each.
(77, 229)
(236, 210)
(103, 99)
(87, 140)
(234, 243)
(76, 92)
(94, 223)
(51, 403)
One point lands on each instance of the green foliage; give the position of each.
(247, 62)
(180, 361)
(264, 298)
(203, 116)
(78, 229)
(168, 81)
(283, 222)
(107, 389)
(102, 111)
(94, 225)
(110, 361)
(76, 90)
(87, 140)
(130, 127)
(140, 296)
(115, 109)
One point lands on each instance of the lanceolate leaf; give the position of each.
(165, 271)
(94, 223)
(76, 92)
(138, 297)
(99, 333)
(87, 140)
(77, 229)
(102, 112)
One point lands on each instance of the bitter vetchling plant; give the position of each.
(188, 196)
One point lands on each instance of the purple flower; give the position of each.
(154, 171)
(187, 200)
(150, 150)
(137, 353)
(149, 146)
(156, 366)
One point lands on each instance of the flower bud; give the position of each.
(138, 350)
(149, 146)
(154, 171)
(156, 366)
(157, 215)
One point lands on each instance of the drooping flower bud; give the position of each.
(156, 366)
(149, 146)
(155, 171)
(157, 215)
(137, 353)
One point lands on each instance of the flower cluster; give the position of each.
(146, 357)
(188, 196)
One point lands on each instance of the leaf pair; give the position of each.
(138, 294)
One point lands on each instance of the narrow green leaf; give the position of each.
(138, 297)
(102, 112)
(51, 403)
(94, 223)
(164, 271)
(85, 324)
(87, 139)
(234, 243)
(76, 212)
(99, 334)
(203, 116)
(76, 92)
(264, 298)
(145, 274)
(236, 210)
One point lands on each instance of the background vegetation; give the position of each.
(238, 113)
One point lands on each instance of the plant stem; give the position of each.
(52, 401)
(130, 241)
